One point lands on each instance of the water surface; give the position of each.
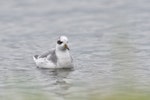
(109, 41)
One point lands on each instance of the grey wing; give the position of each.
(46, 54)
(52, 57)
(71, 59)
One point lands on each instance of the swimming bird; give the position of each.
(59, 57)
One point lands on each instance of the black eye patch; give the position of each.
(59, 42)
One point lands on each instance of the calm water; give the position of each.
(109, 41)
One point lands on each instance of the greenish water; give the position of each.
(130, 95)
(109, 42)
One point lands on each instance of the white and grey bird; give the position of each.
(59, 57)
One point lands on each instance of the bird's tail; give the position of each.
(35, 57)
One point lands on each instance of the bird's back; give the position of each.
(45, 60)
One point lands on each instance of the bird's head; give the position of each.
(62, 43)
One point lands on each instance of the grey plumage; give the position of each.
(46, 54)
(50, 55)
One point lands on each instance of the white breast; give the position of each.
(64, 59)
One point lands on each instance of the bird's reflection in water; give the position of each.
(61, 77)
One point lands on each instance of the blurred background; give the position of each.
(109, 42)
